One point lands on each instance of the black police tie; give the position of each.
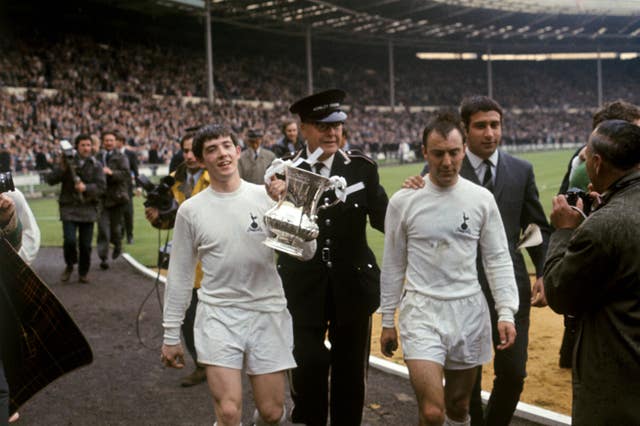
(318, 167)
(487, 181)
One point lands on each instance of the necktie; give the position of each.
(487, 181)
(191, 182)
(318, 167)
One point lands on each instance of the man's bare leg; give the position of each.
(457, 393)
(268, 392)
(225, 385)
(426, 379)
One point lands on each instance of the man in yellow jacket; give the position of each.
(191, 178)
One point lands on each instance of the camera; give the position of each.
(573, 194)
(158, 196)
(6, 182)
(67, 150)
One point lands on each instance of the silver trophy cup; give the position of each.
(293, 219)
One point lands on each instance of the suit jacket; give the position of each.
(252, 169)
(117, 192)
(516, 194)
(342, 281)
(132, 157)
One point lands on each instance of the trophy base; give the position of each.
(287, 248)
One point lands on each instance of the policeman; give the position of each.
(339, 289)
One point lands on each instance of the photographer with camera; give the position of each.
(592, 272)
(576, 185)
(83, 183)
(190, 178)
(116, 170)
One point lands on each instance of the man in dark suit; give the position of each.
(116, 169)
(513, 185)
(339, 289)
(132, 157)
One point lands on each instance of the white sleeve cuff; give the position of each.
(171, 336)
(388, 320)
(507, 315)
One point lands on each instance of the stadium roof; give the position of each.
(514, 25)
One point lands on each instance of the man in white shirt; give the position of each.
(431, 240)
(242, 317)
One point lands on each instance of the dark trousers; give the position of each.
(73, 245)
(127, 216)
(187, 326)
(110, 230)
(509, 367)
(347, 362)
(4, 397)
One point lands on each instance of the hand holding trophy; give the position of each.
(293, 219)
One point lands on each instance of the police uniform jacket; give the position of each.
(76, 207)
(342, 281)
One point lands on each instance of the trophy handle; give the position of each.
(337, 184)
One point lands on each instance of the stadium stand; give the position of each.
(61, 80)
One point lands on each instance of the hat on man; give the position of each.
(254, 134)
(323, 107)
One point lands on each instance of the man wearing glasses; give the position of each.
(335, 293)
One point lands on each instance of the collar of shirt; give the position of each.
(326, 171)
(478, 163)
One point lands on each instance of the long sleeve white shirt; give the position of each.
(225, 232)
(30, 230)
(431, 240)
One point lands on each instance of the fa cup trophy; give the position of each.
(293, 219)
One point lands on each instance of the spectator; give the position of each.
(290, 141)
(255, 160)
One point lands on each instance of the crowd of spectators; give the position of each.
(78, 63)
(99, 85)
